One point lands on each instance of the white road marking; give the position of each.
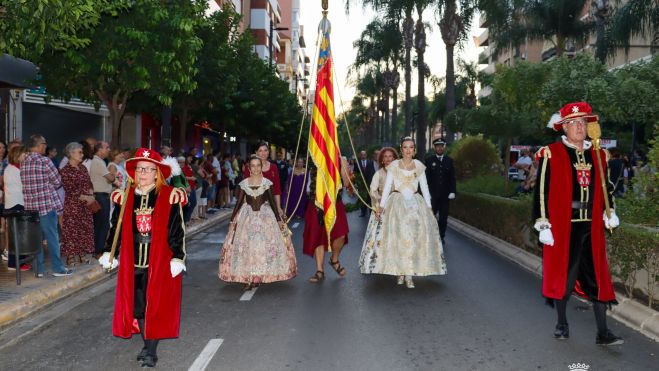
(247, 296)
(206, 355)
(295, 225)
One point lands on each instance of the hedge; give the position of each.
(631, 248)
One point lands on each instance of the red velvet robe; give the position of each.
(556, 258)
(163, 296)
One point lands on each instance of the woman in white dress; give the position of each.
(410, 236)
(370, 260)
(258, 247)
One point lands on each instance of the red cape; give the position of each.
(163, 296)
(555, 258)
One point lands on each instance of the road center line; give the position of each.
(295, 225)
(206, 355)
(247, 296)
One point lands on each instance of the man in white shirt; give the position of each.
(102, 180)
(523, 164)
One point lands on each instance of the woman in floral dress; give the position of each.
(257, 248)
(370, 261)
(410, 236)
(77, 219)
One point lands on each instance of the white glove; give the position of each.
(176, 267)
(451, 196)
(613, 222)
(547, 237)
(104, 261)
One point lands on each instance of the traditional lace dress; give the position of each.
(370, 258)
(410, 236)
(255, 250)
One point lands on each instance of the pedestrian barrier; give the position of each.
(24, 237)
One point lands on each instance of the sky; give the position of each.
(346, 28)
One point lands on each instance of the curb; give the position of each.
(33, 301)
(631, 313)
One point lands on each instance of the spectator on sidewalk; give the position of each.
(188, 172)
(51, 152)
(40, 180)
(3, 166)
(13, 191)
(202, 205)
(77, 219)
(116, 167)
(102, 180)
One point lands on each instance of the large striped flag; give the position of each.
(324, 142)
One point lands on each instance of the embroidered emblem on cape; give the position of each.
(583, 174)
(144, 220)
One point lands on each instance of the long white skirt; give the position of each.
(410, 243)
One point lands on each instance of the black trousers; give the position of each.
(581, 268)
(101, 222)
(440, 206)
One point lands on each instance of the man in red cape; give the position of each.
(570, 216)
(152, 241)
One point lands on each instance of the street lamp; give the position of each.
(272, 29)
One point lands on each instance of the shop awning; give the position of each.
(16, 73)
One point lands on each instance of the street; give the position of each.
(486, 314)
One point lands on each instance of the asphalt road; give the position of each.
(486, 314)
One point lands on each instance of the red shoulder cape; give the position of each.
(163, 296)
(555, 258)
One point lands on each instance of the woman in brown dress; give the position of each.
(77, 220)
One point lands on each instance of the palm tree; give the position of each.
(556, 21)
(394, 9)
(635, 18)
(420, 48)
(454, 24)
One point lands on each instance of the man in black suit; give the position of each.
(441, 181)
(366, 167)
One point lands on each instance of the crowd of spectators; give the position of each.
(71, 194)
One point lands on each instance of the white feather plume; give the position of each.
(556, 117)
(173, 164)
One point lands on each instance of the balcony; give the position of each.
(484, 39)
(483, 58)
(482, 22)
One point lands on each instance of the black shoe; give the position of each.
(562, 332)
(149, 361)
(143, 353)
(608, 338)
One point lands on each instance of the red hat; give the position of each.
(576, 109)
(145, 154)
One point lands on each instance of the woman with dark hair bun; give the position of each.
(410, 236)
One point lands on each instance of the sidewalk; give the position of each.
(632, 313)
(35, 294)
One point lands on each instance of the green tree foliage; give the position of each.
(150, 48)
(30, 27)
(474, 156)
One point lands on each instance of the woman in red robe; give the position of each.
(152, 255)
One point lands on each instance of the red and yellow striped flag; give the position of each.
(324, 141)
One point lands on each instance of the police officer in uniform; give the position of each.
(441, 181)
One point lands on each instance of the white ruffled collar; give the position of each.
(586, 143)
(255, 192)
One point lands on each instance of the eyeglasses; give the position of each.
(576, 122)
(145, 170)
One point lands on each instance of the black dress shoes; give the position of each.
(142, 354)
(149, 361)
(608, 338)
(562, 332)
